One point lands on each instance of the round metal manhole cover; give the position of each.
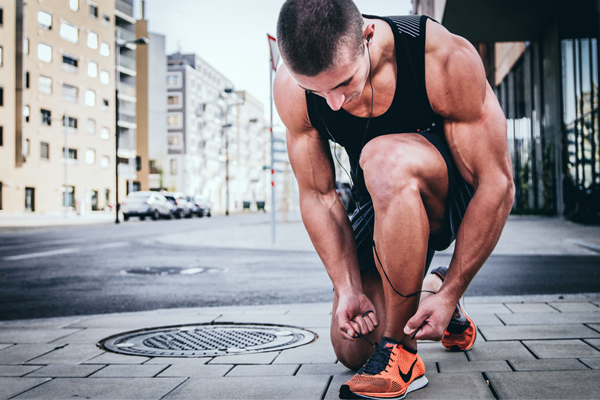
(208, 340)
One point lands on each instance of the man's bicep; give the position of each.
(311, 162)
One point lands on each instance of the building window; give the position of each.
(0, 186)
(45, 117)
(92, 69)
(27, 148)
(26, 45)
(29, 199)
(27, 80)
(173, 166)
(70, 93)
(105, 133)
(90, 98)
(72, 153)
(174, 100)
(74, 4)
(91, 126)
(105, 103)
(94, 10)
(45, 85)
(69, 32)
(105, 77)
(1, 96)
(105, 19)
(45, 20)
(92, 40)
(1, 136)
(69, 63)
(44, 53)
(174, 120)
(44, 151)
(25, 113)
(174, 140)
(105, 162)
(174, 80)
(71, 123)
(1, 57)
(1, 23)
(90, 156)
(104, 49)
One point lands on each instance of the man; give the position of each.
(427, 145)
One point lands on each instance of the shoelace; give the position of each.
(378, 361)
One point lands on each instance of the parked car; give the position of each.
(146, 204)
(204, 205)
(182, 208)
(199, 207)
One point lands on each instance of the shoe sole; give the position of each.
(455, 348)
(419, 383)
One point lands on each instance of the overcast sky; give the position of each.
(231, 35)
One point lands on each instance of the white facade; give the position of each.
(209, 136)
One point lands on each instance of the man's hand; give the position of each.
(431, 319)
(355, 314)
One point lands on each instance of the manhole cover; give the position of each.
(207, 340)
(169, 271)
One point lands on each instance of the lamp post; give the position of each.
(224, 113)
(118, 44)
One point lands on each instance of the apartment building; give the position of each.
(125, 34)
(59, 91)
(541, 57)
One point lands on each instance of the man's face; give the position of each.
(340, 85)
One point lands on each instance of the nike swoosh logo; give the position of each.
(406, 377)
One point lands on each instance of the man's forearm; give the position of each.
(478, 234)
(330, 232)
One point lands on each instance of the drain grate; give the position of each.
(208, 340)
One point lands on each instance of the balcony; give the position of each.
(127, 62)
(125, 35)
(126, 118)
(125, 7)
(127, 90)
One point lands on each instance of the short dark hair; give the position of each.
(312, 33)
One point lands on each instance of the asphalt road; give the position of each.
(49, 272)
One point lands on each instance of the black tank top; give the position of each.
(410, 110)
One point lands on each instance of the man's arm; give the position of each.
(322, 211)
(475, 129)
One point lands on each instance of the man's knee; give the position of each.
(390, 170)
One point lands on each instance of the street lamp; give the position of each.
(224, 113)
(118, 44)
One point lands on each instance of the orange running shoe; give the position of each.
(391, 373)
(461, 332)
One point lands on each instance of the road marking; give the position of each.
(41, 254)
(112, 245)
(35, 244)
(66, 251)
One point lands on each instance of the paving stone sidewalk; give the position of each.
(528, 348)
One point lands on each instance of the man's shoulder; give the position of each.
(290, 101)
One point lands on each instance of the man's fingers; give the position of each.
(415, 323)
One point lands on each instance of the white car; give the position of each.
(146, 204)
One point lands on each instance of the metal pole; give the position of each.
(226, 171)
(117, 130)
(66, 155)
(272, 161)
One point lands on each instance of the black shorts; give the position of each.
(459, 195)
